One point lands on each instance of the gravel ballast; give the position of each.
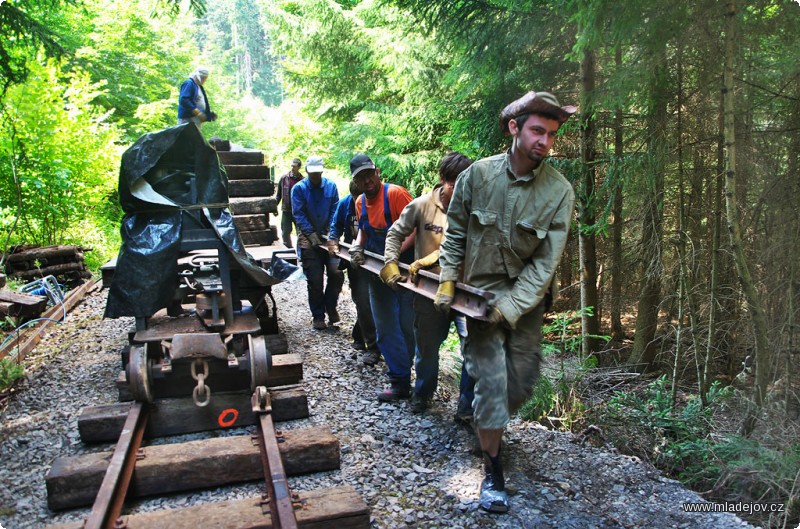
(412, 470)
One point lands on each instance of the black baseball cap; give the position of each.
(360, 162)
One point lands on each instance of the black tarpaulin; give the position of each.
(159, 200)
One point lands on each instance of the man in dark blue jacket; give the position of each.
(314, 201)
(193, 105)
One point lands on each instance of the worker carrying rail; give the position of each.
(508, 223)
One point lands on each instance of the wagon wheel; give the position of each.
(139, 374)
(260, 361)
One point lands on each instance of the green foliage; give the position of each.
(234, 36)
(10, 372)
(28, 27)
(563, 335)
(57, 156)
(655, 411)
(366, 73)
(681, 440)
(452, 343)
(141, 82)
(556, 399)
(555, 403)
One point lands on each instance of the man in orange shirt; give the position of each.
(393, 312)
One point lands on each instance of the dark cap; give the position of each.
(360, 162)
(535, 103)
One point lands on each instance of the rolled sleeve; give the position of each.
(398, 232)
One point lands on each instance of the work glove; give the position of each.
(333, 247)
(493, 318)
(390, 274)
(444, 296)
(356, 256)
(314, 239)
(424, 262)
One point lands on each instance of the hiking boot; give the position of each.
(319, 325)
(463, 414)
(333, 317)
(494, 497)
(371, 358)
(358, 346)
(395, 393)
(418, 404)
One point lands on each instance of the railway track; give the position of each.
(136, 469)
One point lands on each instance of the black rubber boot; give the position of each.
(494, 497)
(398, 391)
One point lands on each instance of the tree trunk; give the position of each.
(617, 332)
(761, 353)
(644, 347)
(687, 279)
(587, 248)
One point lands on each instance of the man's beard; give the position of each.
(535, 158)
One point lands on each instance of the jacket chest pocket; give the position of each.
(526, 237)
(484, 250)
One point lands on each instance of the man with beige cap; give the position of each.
(508, 223)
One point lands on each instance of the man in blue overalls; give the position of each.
(393, 312)
(345, 222)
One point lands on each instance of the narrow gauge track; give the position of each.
(106, 479)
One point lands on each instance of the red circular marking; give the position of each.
(222, 421)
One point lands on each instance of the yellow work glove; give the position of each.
(390, 274)
(357, 256)
(444, 296)
(424, 262)
(493, 318)
(333, 247)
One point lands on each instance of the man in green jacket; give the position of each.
(508, 224)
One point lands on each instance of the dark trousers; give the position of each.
(286, 228)
(316, 264)
(364, 329)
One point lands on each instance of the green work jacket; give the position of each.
(507, 233)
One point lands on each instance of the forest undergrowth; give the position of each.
(643, 416)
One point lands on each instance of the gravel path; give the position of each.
(413, 471)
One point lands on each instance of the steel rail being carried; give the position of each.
(469, 301)
(108, 503)
(277, 494)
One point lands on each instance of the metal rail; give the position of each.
(108, 503)
(468, 300)
(277, 493)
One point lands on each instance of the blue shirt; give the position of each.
(313, 206)
(344, 220)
